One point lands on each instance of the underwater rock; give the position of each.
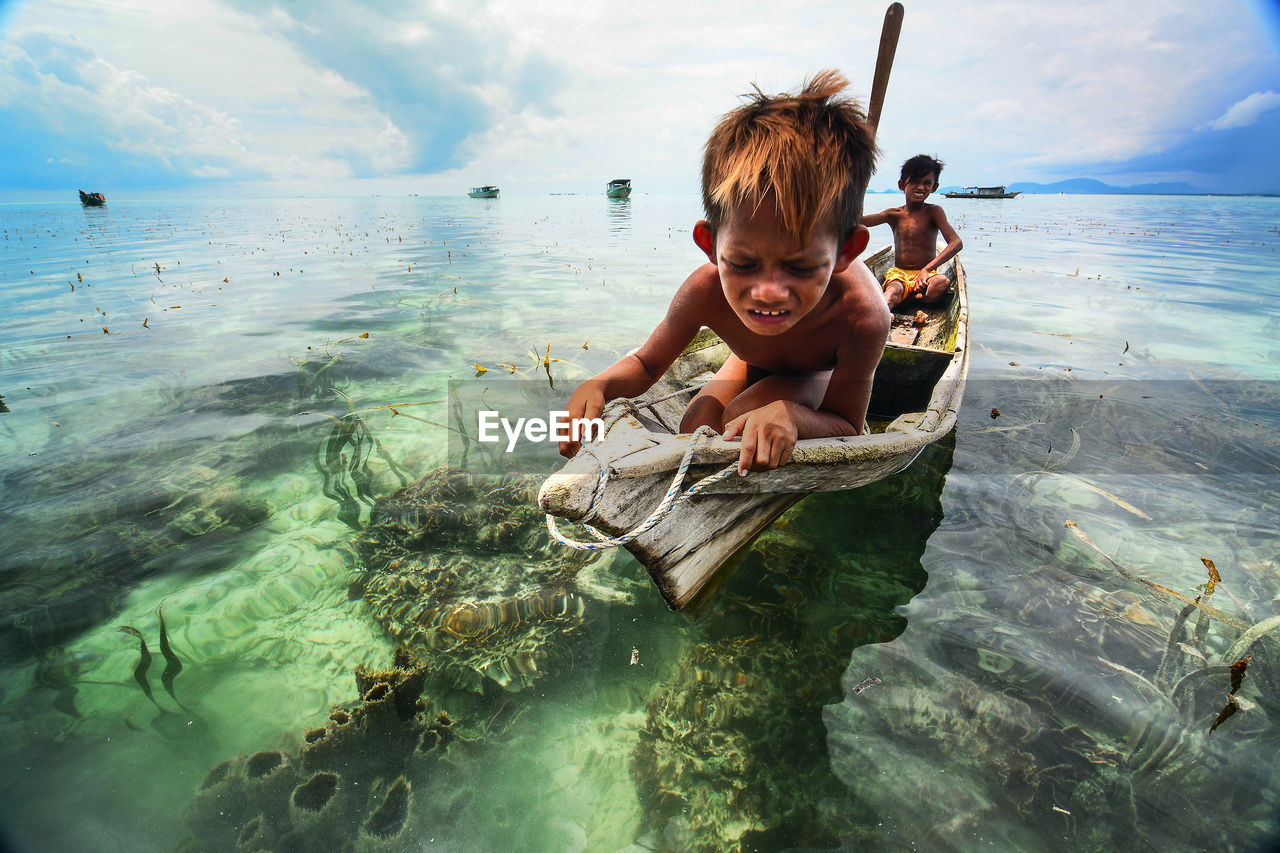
(733, 755)
(348, 786)
(460, 568)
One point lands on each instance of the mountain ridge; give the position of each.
(1092, 186)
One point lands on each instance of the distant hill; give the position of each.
(1089, 186)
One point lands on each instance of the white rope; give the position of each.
(668, 502)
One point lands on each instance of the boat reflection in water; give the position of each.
(745, 701)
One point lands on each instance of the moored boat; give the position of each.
(616, 483)
(92, 199)
(983, 192)
(619, 188)
(483, 192)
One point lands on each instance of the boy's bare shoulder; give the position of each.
(700, 296)
(862, 307)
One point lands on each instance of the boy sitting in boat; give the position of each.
(916, 273)
(782, 184)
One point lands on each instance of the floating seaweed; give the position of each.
(343, 458)
(173, 666)
(144, 662)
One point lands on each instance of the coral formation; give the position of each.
(459, 567)
(347, 787)
(729, 743)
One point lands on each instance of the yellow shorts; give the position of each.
(908, 279)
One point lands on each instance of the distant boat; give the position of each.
(619, 188)
(483, 192)
(92, 199)
(983, 192)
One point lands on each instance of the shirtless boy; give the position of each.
(915, 236)
(782, 184)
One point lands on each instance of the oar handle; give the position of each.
(884, 61)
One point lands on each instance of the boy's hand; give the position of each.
(587, 402)
(768, 436)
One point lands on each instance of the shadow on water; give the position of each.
(179, 490)
(733, 754)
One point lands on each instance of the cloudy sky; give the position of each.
(158, 97)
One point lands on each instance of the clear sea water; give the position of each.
(983, 652)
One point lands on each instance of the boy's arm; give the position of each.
(769, 433)
(634, 374)
(870, 220)
(954, 243)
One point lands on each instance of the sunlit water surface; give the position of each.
(201, 402)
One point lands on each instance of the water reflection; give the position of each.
(734, 751)
(1051, 680)
(619, 215)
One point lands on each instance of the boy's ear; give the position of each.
(902, 183)
(705, 239)
(852, 247)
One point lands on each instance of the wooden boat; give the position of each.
(619, 188)
(92, 199)
(483, 192)
(915, 397)
(983, 192)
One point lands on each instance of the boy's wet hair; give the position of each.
(919, 166)
(814, 152)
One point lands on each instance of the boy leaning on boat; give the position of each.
(916, 226)
(782, 184)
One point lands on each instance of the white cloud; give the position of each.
(1247, 111)
(57, 80)
(561, 95)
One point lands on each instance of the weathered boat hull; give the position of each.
(491, 193)
(916, 399)
(618, 192)
(92, 199)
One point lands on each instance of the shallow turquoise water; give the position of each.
(166, 373)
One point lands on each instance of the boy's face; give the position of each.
(918, 189)
(770, 279)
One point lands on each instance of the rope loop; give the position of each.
(668, 502)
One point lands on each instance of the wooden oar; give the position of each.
(884, 61)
